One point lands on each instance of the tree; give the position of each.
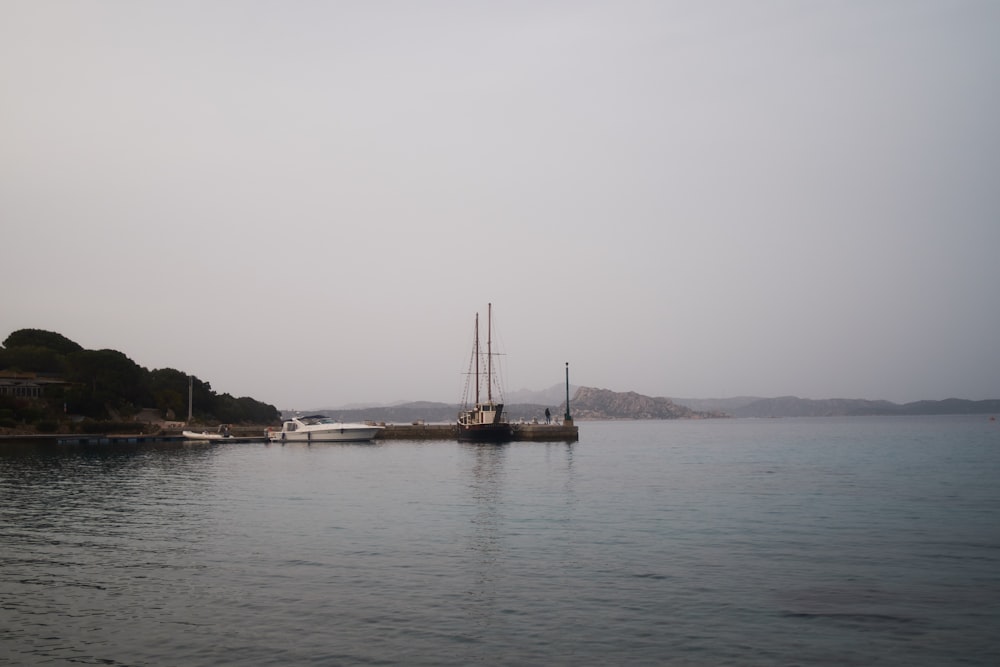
(112, 378)
(103, 380)
(33, 358)
(41, 338)
(170, 391)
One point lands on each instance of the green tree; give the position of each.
(100, 380)
(111, 377)
(33, 358)
(41, 338)
(169, 388)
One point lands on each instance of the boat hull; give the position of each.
(192, 435)
(486, 433)
(346, 434)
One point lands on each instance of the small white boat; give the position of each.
(320, 428)
(221, 434)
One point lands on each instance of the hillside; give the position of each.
(49, 382)
(587, 403)
(430, 412)
(792, 406)
(591, 403)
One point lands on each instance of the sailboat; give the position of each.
(484, 421)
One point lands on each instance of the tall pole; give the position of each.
(475, 354)
(567, 418)
(489, 352)
(190, 397)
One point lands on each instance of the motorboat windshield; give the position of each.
(314, 420)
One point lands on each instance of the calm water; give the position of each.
(730, 542)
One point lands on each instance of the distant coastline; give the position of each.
(593, 404)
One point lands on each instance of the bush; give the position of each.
(106, 427)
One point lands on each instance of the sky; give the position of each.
(308, 202)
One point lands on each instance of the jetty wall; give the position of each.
(522, 432)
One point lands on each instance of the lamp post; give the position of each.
(567, 418)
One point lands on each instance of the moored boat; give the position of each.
(483, 421)
(320, 428)
(220, 434)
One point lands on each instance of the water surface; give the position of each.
(847, 541)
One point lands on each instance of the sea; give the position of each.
(814, 541)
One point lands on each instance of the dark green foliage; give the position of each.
(111, 376)
(7, 415)
(106, 384)
(91, 427)
(47, 426)
(41, 338)
(243, 410)
(170, 391)
(33, 358)
(18, 412)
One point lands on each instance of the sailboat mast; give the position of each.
(475, 354)
(489, 352)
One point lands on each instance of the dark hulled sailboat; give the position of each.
(484, 421)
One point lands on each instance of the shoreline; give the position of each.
(522, 433)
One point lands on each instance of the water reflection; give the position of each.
(86, 527)
(552, 451)
(90, 489)
(486, 540)
(515, 512)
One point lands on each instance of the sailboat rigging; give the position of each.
(485, 420)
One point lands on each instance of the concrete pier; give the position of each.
(546, 432)
(522, 432)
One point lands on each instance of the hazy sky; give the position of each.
(307, 202)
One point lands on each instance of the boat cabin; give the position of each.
(483, 413)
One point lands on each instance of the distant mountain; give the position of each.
(427, 412)
(952, 406)
(402, 413)
(591, 403)
(792, 406)
(554, 395)
(726, 405)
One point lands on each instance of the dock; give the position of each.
(522, 432)
(113, 439)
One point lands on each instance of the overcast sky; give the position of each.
(307, 202)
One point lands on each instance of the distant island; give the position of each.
(49, 383)
(589, 403)
(792, 406)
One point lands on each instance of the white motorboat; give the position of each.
(320, 428)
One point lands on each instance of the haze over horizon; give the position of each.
(307, 203)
